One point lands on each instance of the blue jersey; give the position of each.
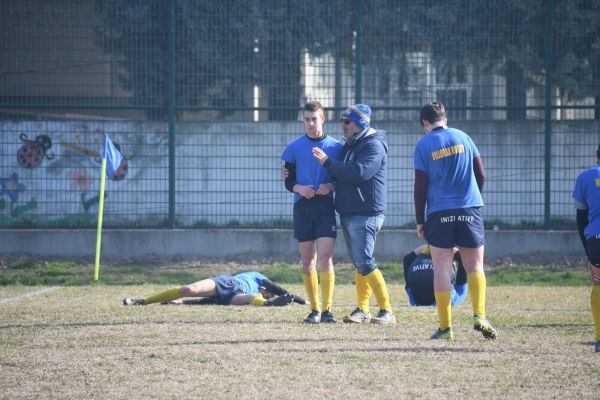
(587, 192)
(419, 284)
(249, 281)
(308, 169)
(446, 156)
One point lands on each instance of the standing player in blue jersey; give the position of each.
(418, 278)
(314, 211)
(449, 178)
(240, 289)
(587, 202)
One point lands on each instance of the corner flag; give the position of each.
(111, 159)
(112, 155)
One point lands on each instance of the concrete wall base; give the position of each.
(392, 245)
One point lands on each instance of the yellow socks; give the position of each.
(444, 308)
(258, 300)
(311, 284)
(596, 309)
(327, 284)
(165, 295)
(476, 282)
(363, 291)
(377, 284)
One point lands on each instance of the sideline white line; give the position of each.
(31, 294)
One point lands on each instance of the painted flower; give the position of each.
(11, 187)
(160, 139)
(80, 180)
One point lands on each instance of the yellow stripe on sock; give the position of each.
(596, 309)
(164, 295)
(377, 284)
(477, 283)
(363, 291)
(327, 285)
(444, 308)
(311, 284)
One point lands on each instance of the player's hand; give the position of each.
(319, 155)
(280, 301)
(420, 231)
(324, 189)
(305, 191)
(284, 173)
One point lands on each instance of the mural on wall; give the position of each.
(160, 139)
(82, 182)
(32, 152)
(121, 172)
(11, 187)
(54, 173)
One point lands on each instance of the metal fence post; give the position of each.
(359, 7)
(171, 113)
(548, 114)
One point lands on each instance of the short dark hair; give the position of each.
(432, 112)
(598, 152)
(313, 106)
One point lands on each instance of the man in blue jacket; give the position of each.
(360, 175)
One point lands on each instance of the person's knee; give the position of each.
(308, 261)
(186, 291)
(472, 259)
(326, 265)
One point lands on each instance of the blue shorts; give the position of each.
(593, 250)
(314, 218)
(461, 227)
(227, 287)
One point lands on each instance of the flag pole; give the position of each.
(100, 213)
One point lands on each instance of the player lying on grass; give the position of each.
(418, 275)
(236, 290)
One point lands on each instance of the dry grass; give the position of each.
(79, 342)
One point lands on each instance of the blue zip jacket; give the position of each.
(361, 175)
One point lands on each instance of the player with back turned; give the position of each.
(587, 202)
(449, 178)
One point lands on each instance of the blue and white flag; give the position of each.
(112, 155)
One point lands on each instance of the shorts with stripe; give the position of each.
(314, 218)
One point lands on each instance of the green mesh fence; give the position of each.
(202, 97)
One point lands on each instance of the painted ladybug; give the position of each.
(31, 154)
(121, 172)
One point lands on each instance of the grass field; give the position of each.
(80, 342)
